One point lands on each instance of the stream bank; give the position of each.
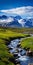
(19, 53)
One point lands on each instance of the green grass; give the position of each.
(7, 33)
(4, 54)
(3, 63)
(27, 43)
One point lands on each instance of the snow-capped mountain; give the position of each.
(3, 17)
(18, 17)
(17, 21)
(29, 23)
(14, 23)
(22, 22)
(9, 21)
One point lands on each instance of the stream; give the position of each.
(19, 53)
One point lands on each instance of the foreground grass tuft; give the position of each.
(27, 43)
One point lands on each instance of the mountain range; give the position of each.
(17, 21)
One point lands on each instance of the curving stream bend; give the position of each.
(19, 53)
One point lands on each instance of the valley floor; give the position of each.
(6, 35)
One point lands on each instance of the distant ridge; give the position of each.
(17, 21)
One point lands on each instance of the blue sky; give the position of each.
(7, 4)
(17, 7)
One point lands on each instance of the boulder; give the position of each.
(29, 53)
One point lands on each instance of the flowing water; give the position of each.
(20, 54)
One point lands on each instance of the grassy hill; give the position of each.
(27, 43)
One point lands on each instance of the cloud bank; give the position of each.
(26, 11)
(6, 20)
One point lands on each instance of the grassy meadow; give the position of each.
(27, 43)
(10, 33)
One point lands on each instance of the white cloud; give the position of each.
(6, 20)
(27, 10)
